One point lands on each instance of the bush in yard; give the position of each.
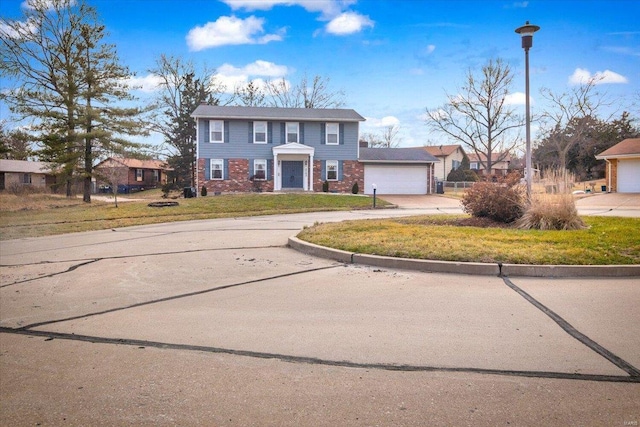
(325, 186)
(203, 192)
(355, 189)
(502, 201)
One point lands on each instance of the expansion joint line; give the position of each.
(568, 328)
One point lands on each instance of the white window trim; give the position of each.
(139, 175)
(211, 130)
(256, 162)
(337, 134)
(286, 129)
(336, 163)
(211, 169)
(255, 141)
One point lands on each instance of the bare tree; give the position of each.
(570, 117)
(305, 94)
(250, 95)
(388, 138)
(480, 116)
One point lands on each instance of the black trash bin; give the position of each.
(604, 188)
(440, 187)
(189, 192)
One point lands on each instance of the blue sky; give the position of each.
(392, 58)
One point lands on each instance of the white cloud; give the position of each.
(328, 8)
(348, 23)
(429, 50)
(18, 29)
(518, 98)
(48, 4)
(230, 30)
(148, 83)
(232, 77)
(583, 76)
(384, 122)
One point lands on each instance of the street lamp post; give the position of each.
(374, 194)
(526, 31)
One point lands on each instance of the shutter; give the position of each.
(301, 131)
(267, 173)
(250, 132)
(269, 133)
(207, 134)
(324, 170)
(250, 168)
(226, 168)
(341, 137)
(323, 133)
(283, 133)
(340, 176)
(226, 131)
(207, 169)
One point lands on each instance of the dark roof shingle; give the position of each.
(396, 155)
(276, 113)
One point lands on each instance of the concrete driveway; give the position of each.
(218, 323)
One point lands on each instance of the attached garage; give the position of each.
(623, 166)
(398, 170)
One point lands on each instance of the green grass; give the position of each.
(41, 215)
(607, 241)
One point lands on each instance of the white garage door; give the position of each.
(395, 179)
(629, 176)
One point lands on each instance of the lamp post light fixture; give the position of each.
(526, 32)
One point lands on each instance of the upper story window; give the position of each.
(455, 164)
(259, 132)
(332, 133)
(292, 132)
(139, 175)
(332, 170)
(216, 128)
(260, 169)
(474, 165)
(217, 169)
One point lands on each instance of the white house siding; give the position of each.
(396, 179)
(629, 176)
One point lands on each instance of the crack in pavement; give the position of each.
(317, 361)
(86, 262)
(175, 297)
(573, 332)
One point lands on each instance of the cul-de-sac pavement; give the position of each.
(219, 322)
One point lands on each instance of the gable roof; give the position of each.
(441, 150)
(138, 164)
(276, 113)
(473, 157)
(396, 155)
(629, 147)
(25, 166)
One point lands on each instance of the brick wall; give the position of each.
(352, 171)
(238, 181)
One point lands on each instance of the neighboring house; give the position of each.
(398, 170)
(622, 173)
(450, 157)
(498, 168)
(16, 173)
(130, 174)
(241, 149)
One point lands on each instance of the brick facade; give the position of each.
(238, 182)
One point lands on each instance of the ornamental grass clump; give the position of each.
(555, 209)
(501, 201)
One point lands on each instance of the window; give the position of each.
(217, 169)
(139, 175)
(332, 134)
(332, 170)
(455, 164)
(259, 170)
(26, 178)
(156, 175)
(216, 128)
(292, 132)
(474, 165)
(259, 132)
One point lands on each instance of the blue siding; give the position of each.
(239, 133)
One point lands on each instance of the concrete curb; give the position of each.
(472, 268)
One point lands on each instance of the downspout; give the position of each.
(196, 181)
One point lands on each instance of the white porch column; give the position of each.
(311, 173)
(277, 181)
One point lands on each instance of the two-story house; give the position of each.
(241, 149)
